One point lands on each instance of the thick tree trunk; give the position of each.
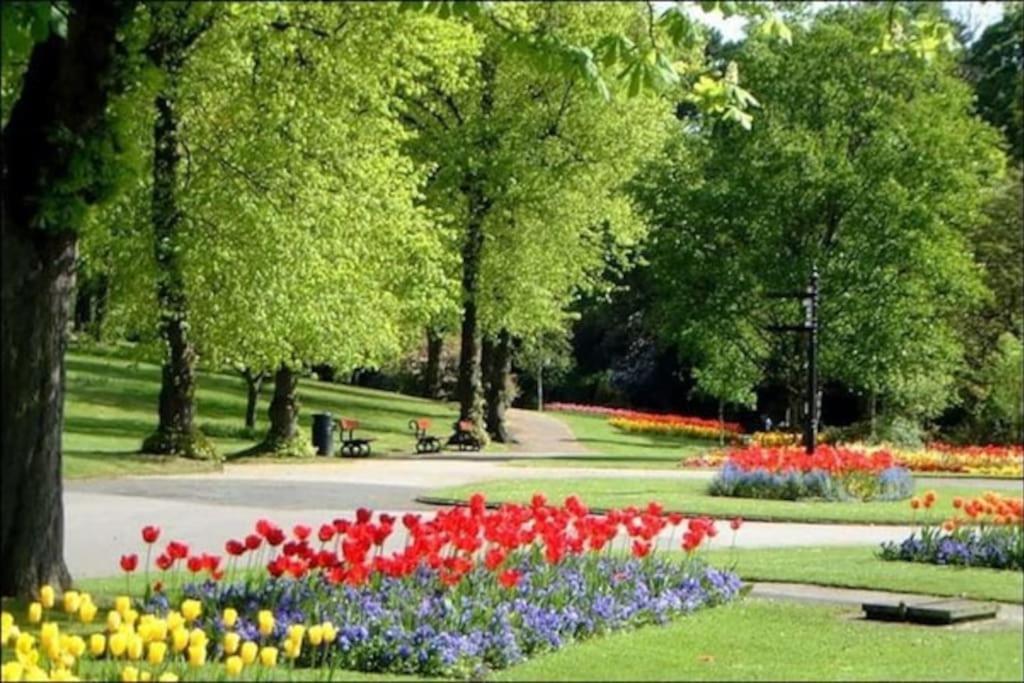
(499, 387)
(475, 191)
(253, 385)
(176, 432)
(432, 370)
(284, 409)
(60, 109)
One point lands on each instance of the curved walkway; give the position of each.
(534, 432)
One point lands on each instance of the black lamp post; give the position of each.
(809, 298)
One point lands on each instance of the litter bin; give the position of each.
(323, 433)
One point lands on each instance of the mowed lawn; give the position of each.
(860, 567)
(111, 406)
(689, 496)
(753, 639)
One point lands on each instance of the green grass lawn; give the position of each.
(859, 567)
(112, 400)
(689, 496)
(753, 639)
(613, 447)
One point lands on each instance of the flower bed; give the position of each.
(992, 461)
(674, 425)
(832, 473)
(991, 534)
(471, 590)
(666, 424)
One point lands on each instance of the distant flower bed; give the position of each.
(674, 425)
(991, 534)
(666, 424)
(831, 473)
(993, 461)
(472, 590)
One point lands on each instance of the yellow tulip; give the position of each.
(231, 641)
(145, 676)
(12, 671)
(191, 609)
(158, 630)
(122, 603)
(129, 674)
(156, 653)
(174, 620)
(117, 643)
(233, 665)
(87, 612)
(49, 635)
(316, 635)
(297, 632)
(76, 646)
(113, 621)
(28, 660)
(72, 601)
(230, 617)
(266, 622)
(25, 643)
(249, 651)
(196, 655)
(168, 677)
(131, 616)
(47, 596)
(97, 644)
(330, 633)
(197, 638)
(62, 674)
(34, 673)
(292, 648)
(268, 656)
(135, 646)
(35, 613)
(179, 638)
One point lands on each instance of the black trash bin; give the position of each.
(323, 433)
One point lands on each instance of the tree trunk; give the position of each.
(499, 387)
(253, 384)
(284, 410)
(721, 422)
(475, 191)
(59, 111)
(176, 432)
(873, 413)
(432, 371)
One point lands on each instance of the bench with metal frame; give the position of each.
(465, 438)
(351, 446)
(425, 443)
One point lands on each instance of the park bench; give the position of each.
(424, 442)
(465, 438)
(350, 445)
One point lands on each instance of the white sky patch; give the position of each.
(975, 14)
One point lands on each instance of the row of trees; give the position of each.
(276, 185)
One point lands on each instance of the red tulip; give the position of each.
(234, 548)
(325, 533)
(177, 550)
(301, 531)
(253, 541)
(150, 534)
(409, 520)
(129, 563)
(164, 562)
(195, 564)
(736, 523)
(641, 549)
(274, 536)
(675, 518)
(363, 515)
(509, 578)
(494, 559)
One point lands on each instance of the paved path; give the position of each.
(1008, 614)
(535, 432)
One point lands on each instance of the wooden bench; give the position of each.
(350, 445)
(465, 438)
(424, 442)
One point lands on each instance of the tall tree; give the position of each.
(866, 163)
(56, 162)
(995, 64)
